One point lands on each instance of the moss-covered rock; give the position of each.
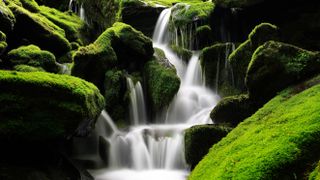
(40, 31)
(41, 106)
(3, 43)
(315, 174)
(199, 139)
(30, 5)
(233, 110)
(183, 53)
(162, 83)
(27, 68)
(33, 56)
(7, 19)
(241, 57)
(69, 22)
(276, 65)
(280, 141)
(218, 73)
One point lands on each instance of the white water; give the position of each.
(146, 152)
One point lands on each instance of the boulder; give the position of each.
(199, 139)
(40, 31)
(33, 56)
(42, 106)
(7, 19)
(240, 58)
(275, 65)
(280, 141)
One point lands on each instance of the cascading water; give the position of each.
(155, 151)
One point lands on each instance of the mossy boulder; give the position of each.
(199, 139)
(183, 53)
(27, 68)
(280, 141)
(30, 5)
(41, 106)
(40, 31)
(276, 65)
(7, 19)
(233, 110)
(162, 83)
(240, 58)
(218, 73)
(315, 174)
(3, 43)
(33, 56)
(69, 22)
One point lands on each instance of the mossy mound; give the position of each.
(3, 44)
(33, 56)
(40, 31)
(233, 110)
(198, 140)
(162, 83)
(280, 141)
(69, 22)
(241, 57)
(7, 19)
(276, 65)
(27, 68)
(183, 53)
(315, 174)
(217, 71)
(41, 106)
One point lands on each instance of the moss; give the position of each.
(30, 5)
(183, 53)
(315, 174)
(277, 142)
(241, 57)
(69, 22)
(276, 65)
(27, 68)
(3, 43)
(236, 3)
(198, 140)
(115, 89)
(233, 110)
(163, 84)
(67, 58)
(33, 56)
(183, 14)
(40, 31)
(49, 106)
(7, 19)
(217, 71)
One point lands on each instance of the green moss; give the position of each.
(233, 110)
(183, 14)
(315, 174)
(69, 22)
(198, 140)
(7, 19)
(40, 31)
(276, 65)
(33, 56)
(49, 106)
(241, 57)
(3, 44)
(183, 53)
(30, 5)
(277, 142)
(27, 68)
(163, 84)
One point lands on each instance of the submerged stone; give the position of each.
(41, 106)
(33, 56)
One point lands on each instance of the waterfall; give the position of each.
(156, 151)
(137, 108)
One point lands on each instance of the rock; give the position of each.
(33, 56)
(183, 53)
(26, 68)
(199, 139)
(276, 65)
(120, 46)
(162, 83)
(3, 43)
(280, 141)
(40, 31)
(42, 106)
(204, 36)
(240, 58)
(233, 110)
(7, 19)
(218, 73)
(69, 22)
